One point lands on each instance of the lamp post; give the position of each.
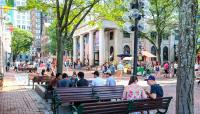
(133, 22)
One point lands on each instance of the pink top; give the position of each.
(134, 91)
(166, 66)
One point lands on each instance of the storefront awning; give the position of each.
(128, 58)
(147, 54)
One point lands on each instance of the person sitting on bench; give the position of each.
(133, 90)
(54, 82)
(82, 82)
(65, 82)
(110, 80)
(156, 90)
(98, 81)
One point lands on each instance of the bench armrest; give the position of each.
(74, 109)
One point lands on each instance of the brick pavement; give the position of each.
(17, 98)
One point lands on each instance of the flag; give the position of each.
(10, 3)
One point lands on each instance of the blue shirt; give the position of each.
(110, 81)
(64, 83)
(157, 89)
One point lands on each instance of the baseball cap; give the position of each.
(150, 78)
(108, 72)
(95, 73)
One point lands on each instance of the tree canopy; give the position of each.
(69, 15)
(52, 40)
(21, 41)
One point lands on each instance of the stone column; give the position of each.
(116, 45)
(74, 48)
(91, 49)
(81, 49)
(101, 47)
(171, 46)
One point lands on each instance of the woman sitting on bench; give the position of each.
(133, 90)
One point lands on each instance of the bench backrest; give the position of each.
(119, 107)
(74, 94)
(108, 92)
(124, 107)
(149, 104)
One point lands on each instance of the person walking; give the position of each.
(120, 70)
(157, 69)
(166, 68)
(175, 68)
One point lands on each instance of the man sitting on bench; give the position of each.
(156, 90)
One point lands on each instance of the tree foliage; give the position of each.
(21, 41)
(52, 40)
(69, 15)
(164, 17)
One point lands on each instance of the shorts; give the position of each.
(166, 71)
(175, 71)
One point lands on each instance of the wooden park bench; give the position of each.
(104, 93)
(73, 96)
(76, 96)
(37, 79)
(125, 107)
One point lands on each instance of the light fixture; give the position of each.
(198, 41)
(134, 13)
(128, 27)
(143, 26)
(126, 17)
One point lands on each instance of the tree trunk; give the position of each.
(159, 47)
(14, 57)
(59, 51)
(186, 57)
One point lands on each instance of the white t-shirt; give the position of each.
(98, 82)
(196, 66)
(175, 65)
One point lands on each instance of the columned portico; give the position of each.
(91, 49)
(101, 47)
(81, 49)
(74, 49)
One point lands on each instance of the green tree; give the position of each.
(69, 15)
(164, 18)
(68, 45)
(21, 42)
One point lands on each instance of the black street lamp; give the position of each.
(133, 23)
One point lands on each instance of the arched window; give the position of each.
(153, 51)
(111, 53)
(126, 50)
(165, 53)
